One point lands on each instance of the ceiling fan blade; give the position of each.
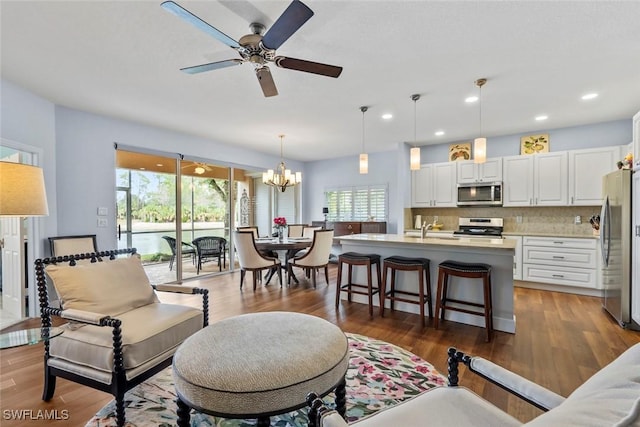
(266, 81)
(288, 23)
(183, 13)
(308, 66)
(211, 66)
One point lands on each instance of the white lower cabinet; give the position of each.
(561, 261)
(517, 257)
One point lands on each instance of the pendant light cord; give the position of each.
(364, 110)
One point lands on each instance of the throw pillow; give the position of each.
(110, 287)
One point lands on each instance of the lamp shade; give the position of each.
(325, 210)
(480, 150)
(22, 191)
(414, 159)
(364, 163)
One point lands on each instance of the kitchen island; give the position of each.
(496, 252)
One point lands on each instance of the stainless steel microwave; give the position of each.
(480, 194)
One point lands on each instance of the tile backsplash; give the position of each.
(544, 220)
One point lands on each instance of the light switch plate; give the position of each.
(103, 211)
(102, 222)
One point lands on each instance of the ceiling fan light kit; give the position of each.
(281, 177)
(257, 49)
(414, 153)
(480, 143)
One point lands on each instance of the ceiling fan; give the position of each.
(198, 167)
(259, 49)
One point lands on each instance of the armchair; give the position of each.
(69, 245)
(118, 333)
(611, 397)
(208, 248)
(187, 250)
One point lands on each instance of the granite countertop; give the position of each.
(432, 241)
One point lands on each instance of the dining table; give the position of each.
(285, 248)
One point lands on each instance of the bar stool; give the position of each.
(468, 270)
(421, 265)
(367, 260)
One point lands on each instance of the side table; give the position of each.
(28, 336)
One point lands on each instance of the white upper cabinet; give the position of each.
(434, 185)
(535, 180)
(550, 184)
(636, 141)
(470, 172)
(586, 169)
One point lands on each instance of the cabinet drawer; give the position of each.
(582, 277)
(569, 257)
(373, 227)
(560, 242)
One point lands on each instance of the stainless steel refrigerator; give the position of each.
(615, 245)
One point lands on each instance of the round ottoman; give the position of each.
(260, 364)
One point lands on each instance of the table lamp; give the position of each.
(22, 190)
(325, 211)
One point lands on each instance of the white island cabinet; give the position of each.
(496, 252)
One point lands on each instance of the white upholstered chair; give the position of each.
(309, 230)
(611, 397)
(316, 257)
(250, 259)
(251, 228)
(295, 230)
(119, 334)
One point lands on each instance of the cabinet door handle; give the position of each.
(530, 201)
(350, 227)
(558, 243)
(571, 199)
(558, 257)
(559, 276)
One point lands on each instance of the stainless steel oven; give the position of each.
(480, 194)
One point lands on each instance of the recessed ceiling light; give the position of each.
(387, 116)
(589, 96)
(143, 169)
(159, 165)
(541, 118)
(440, 133)
(471, 99)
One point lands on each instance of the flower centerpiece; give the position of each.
(627, 162)
(280, 223)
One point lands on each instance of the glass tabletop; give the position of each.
(28, 336)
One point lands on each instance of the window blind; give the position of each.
(357, 203)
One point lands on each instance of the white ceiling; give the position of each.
(122, 59)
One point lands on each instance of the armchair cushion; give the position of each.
(110, 287)
(610, 397)
(92, 346)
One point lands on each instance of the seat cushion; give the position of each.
(146, 332)
(608, 398)
(260, 363)
(442, 406)
(358, 256)
(109, 287)
(396, 259)
(465, 267)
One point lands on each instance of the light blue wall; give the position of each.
(618, 132)
(343, 172)
(87, 157)
(28, 119)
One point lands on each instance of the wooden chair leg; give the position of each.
(383, 290)
(370, 286)
(326, 274)
(421, 295)
(339, 284)
(49, 384)
(436, 318)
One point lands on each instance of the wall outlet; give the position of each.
(519, 219)
(577, 220)
(102, 222)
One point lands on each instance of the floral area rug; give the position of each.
(380, 375)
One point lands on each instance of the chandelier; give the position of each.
(282, 177)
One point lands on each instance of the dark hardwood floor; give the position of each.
(561, 340)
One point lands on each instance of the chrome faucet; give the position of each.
(424, 229)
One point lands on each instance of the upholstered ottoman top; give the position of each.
(259, 364)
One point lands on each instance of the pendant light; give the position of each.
(480, 143)
(414, 153)
(364, 157)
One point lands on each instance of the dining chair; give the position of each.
(250, 259)
(209, 248)
(308, 231)
(316, 257)
(70, 245)
(251, 228)
(187, 250)
(295, 230)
